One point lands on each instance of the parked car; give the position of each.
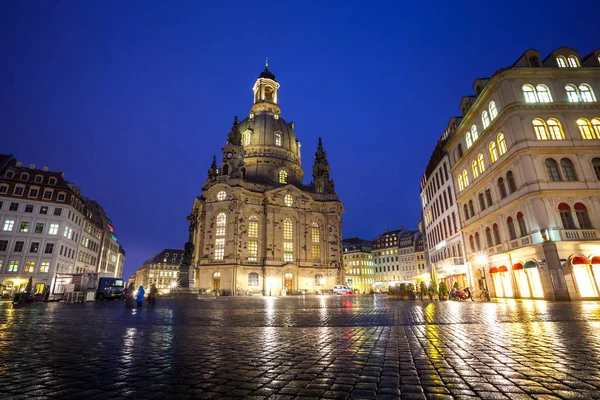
(110, 288)
(341, 289)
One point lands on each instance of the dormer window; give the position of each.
(52, 181)
(10, 174)
(561, 61)
(246, 138)
(24, 176)
(573, 62)
(534, 62)
(39, 179)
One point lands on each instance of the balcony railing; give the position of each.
(580, 234)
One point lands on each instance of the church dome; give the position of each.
(268, 130)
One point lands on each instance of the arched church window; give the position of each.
(252, 279)
(316, 241)
(283, 176)
(220, 236)
(225, 169)
(320, 186)
(246, 138)
(253, 227)
(288, 237)
(278, 139)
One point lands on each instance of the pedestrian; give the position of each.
(129, 296)
(152, 295)
(140, 296)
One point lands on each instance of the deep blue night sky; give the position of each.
(132, 99)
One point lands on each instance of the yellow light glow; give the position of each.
(584, 281)
(536, 282)
(523, 283)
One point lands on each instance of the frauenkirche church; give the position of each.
(256, 228)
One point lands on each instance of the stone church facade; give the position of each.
(256, 228)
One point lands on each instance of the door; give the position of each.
(288, 284)
(216, 283)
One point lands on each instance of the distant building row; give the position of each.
(511, 194)
(49, 230)
(391, 258)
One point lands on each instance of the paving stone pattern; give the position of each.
(329, 347)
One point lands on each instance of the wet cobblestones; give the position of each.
(313, 347)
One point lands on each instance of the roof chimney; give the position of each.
(19, 164)
(31, 166)
(46, 168)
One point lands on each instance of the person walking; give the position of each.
(152, 295)
(129, 297)
(140, 296)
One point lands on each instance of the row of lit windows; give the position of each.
(538, 94)
(575, 94)
(570, 61)
(550, 129)
(13, 267)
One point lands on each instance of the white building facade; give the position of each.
(441, 217)
(526, 166)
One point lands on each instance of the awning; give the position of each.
(596, 260)
(530, 264)
(517, 266)
(580, 260)
(493, 270)
(502, 269)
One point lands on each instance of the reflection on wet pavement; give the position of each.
(316, 346)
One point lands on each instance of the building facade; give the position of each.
(161, 270)
(441, 217)
(358, 264)
(526, 165)
(398, 257)
(256, 228)
(46, 230)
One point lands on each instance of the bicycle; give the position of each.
(485, 295)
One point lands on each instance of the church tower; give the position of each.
(256, 227)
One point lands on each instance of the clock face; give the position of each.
(229, 155)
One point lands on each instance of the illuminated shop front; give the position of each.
(529, 280)
(452, 274)
(502, 281)
(586, 274)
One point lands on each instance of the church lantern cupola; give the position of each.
(266, 87)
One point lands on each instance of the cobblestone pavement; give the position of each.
(301, 347)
